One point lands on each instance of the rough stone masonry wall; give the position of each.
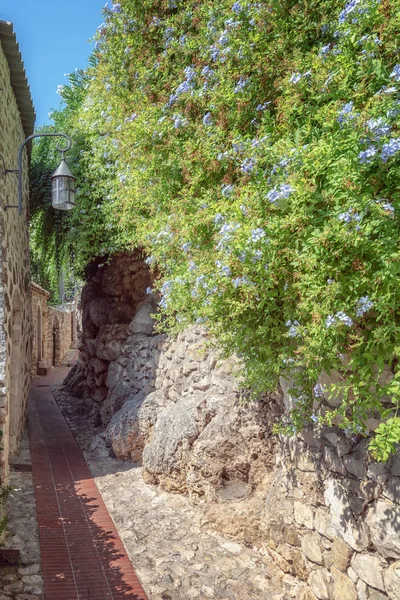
(40, 337)
(58, 331)
(326, 514)
(15, 300)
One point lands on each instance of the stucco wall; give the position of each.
(15, 300)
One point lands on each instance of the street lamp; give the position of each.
(63, 182)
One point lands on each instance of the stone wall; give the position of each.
(317, 504)
(55, 331)
(15, 299)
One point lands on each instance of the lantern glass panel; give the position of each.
(63, 192)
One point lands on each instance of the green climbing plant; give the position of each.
(252, 149)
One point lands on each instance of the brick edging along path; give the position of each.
(83, 557)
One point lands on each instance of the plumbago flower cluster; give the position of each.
(252, 149)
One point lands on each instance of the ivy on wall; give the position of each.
(252, 149)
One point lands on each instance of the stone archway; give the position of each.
(56, 358)
(16, 370)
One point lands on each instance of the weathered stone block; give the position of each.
(383, 520)
(341, 554)
(311, 547)
(369, 569)
(343, 587)
(321, 583)
(392, 581)
(304, 515)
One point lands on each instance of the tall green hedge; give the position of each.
(252, 149)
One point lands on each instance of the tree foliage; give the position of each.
(252, 149)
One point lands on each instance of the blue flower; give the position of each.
(314, 418)
(219, 218)
(395, 74)
(293, 332)
(363, 306)
(283, 191)
(207, 71)
(214, 53)
(295, 78)
(263, 106)
(256, 256)
(241, 84)
(227, 190)
(248, 165)
(149, 290)
(318, 391)
(237, 7)
(115, 8)
(330, 321)
(385, 204)
(324, 50)
(223, 39)
(348, 9)
(238, 281)
(378, 127)
(186, 246)
(207, 119)
(348, 217)
(184, 87)
(223, 268)
(190, 73)
(257, 234)
(343, 318)
(390, 149)
(179, 121)
(346, 113)
(366, 156)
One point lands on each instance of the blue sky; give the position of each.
(53, 38)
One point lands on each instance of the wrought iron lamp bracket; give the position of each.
(4, 171)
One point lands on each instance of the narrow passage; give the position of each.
(83, 557)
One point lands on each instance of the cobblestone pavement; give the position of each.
(175, 557)
(25, 582)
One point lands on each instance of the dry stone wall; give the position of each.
(15, 298)
(327, 515)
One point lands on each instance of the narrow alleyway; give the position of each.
(83, 557)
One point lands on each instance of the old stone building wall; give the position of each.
(55, 331)
(327, 514)
(16, 122)
(41, 340)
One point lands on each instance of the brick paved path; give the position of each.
(83, 557)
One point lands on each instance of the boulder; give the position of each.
(143, 321)
(174, 433)
(109, 341)
(130, 427)
(98, 310)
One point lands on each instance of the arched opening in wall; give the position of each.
(39, 336)
(56, 343)
(16, 376)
